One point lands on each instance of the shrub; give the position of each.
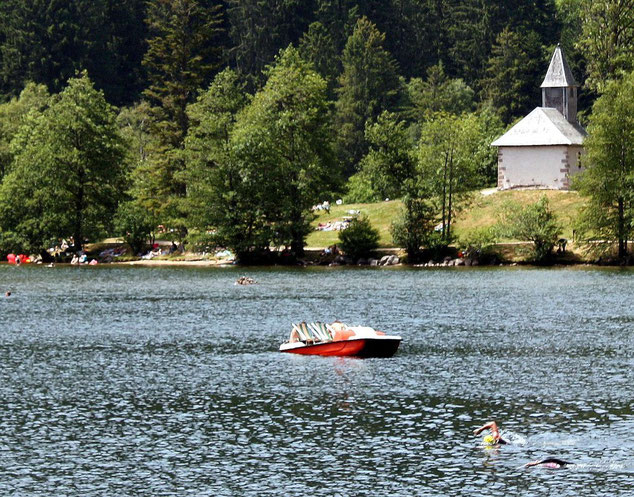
(535, 223)
(360, 190)
(134, 225)
(360, 239)
(478, 243)
(414, 228)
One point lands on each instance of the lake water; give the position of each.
(167, 382)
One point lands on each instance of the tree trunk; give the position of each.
(622, 231)
(448, 235)
(444, 196)
(79, 212)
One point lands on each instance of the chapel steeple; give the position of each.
(559, 89)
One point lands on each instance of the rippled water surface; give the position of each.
(138, 381)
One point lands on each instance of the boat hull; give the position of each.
(354, 347)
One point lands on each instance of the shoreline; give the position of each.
(229, 264)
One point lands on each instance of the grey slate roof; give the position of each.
(543, 126)
(559, 74)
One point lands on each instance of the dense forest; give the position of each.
(225, 121)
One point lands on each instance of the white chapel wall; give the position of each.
(541, 167)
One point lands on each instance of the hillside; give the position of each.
(481, 212)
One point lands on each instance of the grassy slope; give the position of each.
(482, 212)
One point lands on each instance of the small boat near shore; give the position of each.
(338, 339)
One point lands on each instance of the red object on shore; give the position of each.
(11, 258)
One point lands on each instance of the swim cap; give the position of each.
(489, 440)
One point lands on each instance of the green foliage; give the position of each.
(180, 58)
(514, 74)
(13, 114)
(49, 41)
(478, 242)
(260, 29)
(359, 190)
(318, 47)
(368, 85)
(360, 239)
(182, 55)
(438, 93)
(216, 196)
(608, 179)
(389, 162)
(135, 225)
(282, 142)
(255, 174)
(415, 227)
(607, 40)
(67, 174)
(449, 160)
(535, 223)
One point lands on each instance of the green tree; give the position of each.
(608, 179)
(182, 57)
(49, 41)
(13, 114)
(438, 93)
(360, 239)
(607, 39)
(448, 161)
(318, 46)
(535, 223)
(414, 228)
(215, 198)
(135, 225)
(283, 142)
(260, 29)
(146, 184)
(67, 174)
(389, 162)
(514, 74)
(368, 85)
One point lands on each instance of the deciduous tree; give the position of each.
(448, 162)
(283, 142)
(607, 39)
(67, 174)
(13, 114)
(216, 201)
(608, 178)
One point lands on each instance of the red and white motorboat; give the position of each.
(338, 339)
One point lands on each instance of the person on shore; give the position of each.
(494, 437)
(549, 463)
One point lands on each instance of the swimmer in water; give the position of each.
(549, 462)
(494, 437)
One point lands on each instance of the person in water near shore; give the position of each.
(549, 462)
(494, 437)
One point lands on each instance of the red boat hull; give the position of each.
(356, 347)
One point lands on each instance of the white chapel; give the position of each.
(544, 148)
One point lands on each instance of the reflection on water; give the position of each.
(132, 381)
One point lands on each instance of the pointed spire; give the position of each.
(559, 74)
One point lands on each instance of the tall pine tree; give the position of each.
(182, 57)
(368, 86)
